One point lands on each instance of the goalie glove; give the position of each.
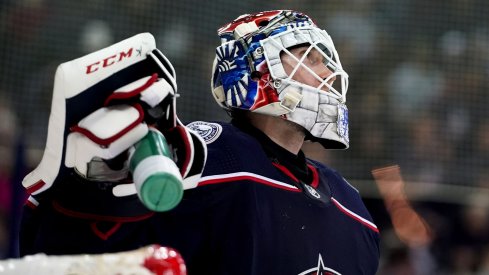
(91, 127)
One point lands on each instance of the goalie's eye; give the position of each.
(328, 60)
(325, 50)
(314, 57)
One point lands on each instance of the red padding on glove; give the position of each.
(36, 186)
(179, 139)
(133, 93)
(107, 141)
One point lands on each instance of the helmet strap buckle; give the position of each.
(290, 100)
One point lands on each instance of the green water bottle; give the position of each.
(155, 174)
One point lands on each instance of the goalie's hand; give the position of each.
(97, 146)
(102, 105)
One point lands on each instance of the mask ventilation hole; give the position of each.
(256, 76)
(263, 23)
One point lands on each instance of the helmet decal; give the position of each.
(234, 76)
(227, 31)
(343, 121)
(265, 93)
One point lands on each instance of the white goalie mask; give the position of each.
(280, 63)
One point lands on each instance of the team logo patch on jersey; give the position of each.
(207, 130)
(320, 269)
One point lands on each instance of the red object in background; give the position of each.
(165, 261)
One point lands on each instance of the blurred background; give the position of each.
(418, 73)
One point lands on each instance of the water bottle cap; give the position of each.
(161, 192)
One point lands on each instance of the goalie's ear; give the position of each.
(81, 87)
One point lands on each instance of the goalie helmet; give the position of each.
(249, 74)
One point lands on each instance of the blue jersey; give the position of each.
(249, 214)
(255, 217)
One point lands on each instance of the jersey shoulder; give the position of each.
(343, 194)
(334, 177)
(230, 150)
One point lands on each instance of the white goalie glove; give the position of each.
(103, 104)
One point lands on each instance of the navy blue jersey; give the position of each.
(257, 219)
(248, 215)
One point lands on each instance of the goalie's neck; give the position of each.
(296, 163)
(284, 133)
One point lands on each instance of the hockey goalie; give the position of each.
(120, 171)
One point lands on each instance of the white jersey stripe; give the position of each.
(261, 179)
(355, 216)
(246, 175)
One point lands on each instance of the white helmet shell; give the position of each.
(249, 74)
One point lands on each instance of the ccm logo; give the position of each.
(106, 62)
